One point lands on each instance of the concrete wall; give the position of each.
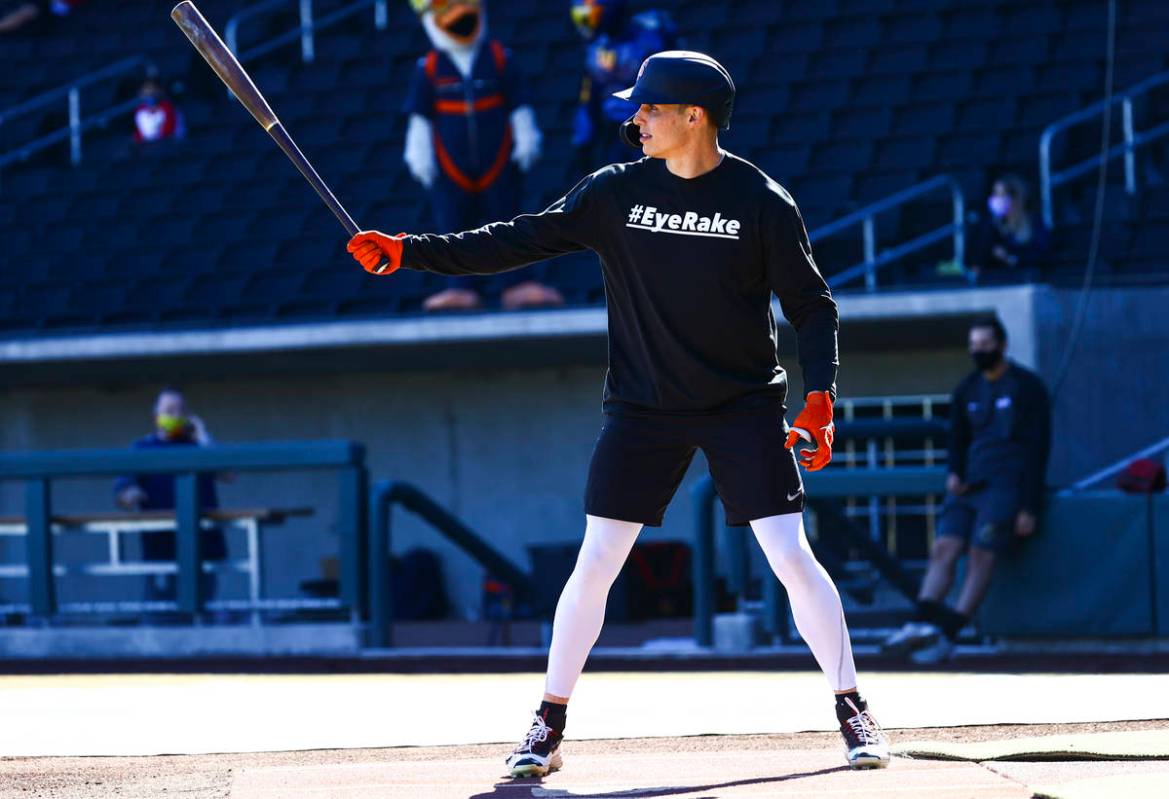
(508, 449)
(1114, 399)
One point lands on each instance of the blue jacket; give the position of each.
(160, 488)
(611, 65)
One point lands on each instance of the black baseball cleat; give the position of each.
(538, 754)
(864, 741)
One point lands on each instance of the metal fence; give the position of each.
(40, 525)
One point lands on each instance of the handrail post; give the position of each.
(738, 560)
(775, 608)
(75, 125)
(870, 239)
(1045, 177)
(703, 562)
(231, 35)
(381, 609)
(959, 224)
(1130, 171)
(353, 540)
(381, 15)
(188, 539)
(306, 31)
(39, 549)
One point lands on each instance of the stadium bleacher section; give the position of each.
(845, 102)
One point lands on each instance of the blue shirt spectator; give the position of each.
(173, 428)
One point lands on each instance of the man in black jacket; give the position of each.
(1000, 436)
(693, 241)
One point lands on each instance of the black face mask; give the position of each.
(986, 360)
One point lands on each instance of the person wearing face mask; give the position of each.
(156, 118)
(1000, 436)
(174, 426)
(1012, 244)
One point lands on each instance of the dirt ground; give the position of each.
(799, 764)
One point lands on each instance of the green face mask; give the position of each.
(172, 426)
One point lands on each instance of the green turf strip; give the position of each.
(1137, 745)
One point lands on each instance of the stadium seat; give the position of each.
(843, 101)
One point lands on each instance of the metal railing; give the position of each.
(866, 218)
(835, 483)
(305, 33)
(382, 499)
(1049, 181)
(1091, 480)
(71, 92)
(39, 470)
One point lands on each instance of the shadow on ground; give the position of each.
(533, 787)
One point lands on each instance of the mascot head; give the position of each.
(452, 24)
(593, 17)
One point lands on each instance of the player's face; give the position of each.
(665, 128)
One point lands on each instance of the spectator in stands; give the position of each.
(174, 426)
(470, 134)
(1000, 435)
(617, 43)
(1012, 245)
(20, 14)
(156, 118)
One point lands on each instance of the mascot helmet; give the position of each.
(459, 19)
(595, 16)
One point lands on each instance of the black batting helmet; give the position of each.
(685, 77)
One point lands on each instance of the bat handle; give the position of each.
(382, 267)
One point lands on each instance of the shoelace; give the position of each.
(537, 734)
(865, 728)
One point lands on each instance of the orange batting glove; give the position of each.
(370, 246)
(814, 426)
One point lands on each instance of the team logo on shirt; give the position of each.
(684, 224)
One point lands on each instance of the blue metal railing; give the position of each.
(1048, 181)
(866, 218)
(382, 499)
(1094, 479)
(830, 483)
(305, 33)
(77, 123)
(39, 469)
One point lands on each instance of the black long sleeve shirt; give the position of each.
(1000, 431)
(689, 267)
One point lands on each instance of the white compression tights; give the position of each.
(814, 599)
(581, 610)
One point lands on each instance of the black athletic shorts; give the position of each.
(984, 517)
(639, 460)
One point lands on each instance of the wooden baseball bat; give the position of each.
(235, 77)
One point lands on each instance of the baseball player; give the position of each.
(692, 240)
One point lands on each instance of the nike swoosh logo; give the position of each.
(790, 497)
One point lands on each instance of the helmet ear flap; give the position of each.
(630, 133)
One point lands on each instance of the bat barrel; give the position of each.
(204, 38)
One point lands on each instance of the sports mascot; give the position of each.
(470, 133)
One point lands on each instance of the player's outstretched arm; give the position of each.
(565, 226)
